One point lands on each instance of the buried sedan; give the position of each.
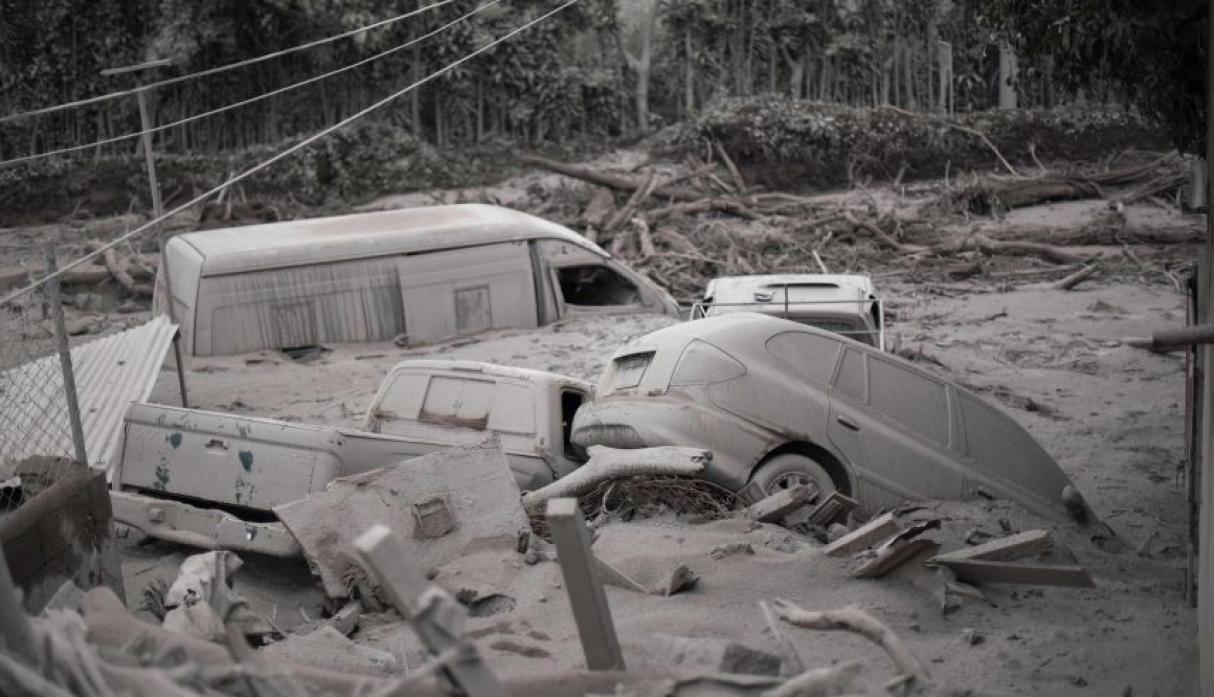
(780, 404)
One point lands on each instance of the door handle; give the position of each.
(847, 423)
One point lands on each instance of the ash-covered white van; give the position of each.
(428, 274)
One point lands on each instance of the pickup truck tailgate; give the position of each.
(243, 461)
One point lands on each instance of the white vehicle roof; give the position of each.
(493, 369)
(800, 288)
(362, 235)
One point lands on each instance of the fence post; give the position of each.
(65, 356)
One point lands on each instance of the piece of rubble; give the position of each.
(820, 682)
(663, 652)
(977, 571)
(643, 577)
(326, 647)
(863, 537)
(728, 550)
(775, 507)
(897, 550)
(836, 531)
(832, 509)
(1008, 548)
(201, 600)
(440, 502)
(606, 464)
(346, 619)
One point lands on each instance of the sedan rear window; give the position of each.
(627, 371)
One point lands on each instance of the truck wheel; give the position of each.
(788, 470)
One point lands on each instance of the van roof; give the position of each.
(819, 295)
(361, 235)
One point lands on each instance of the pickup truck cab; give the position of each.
(845, 304)
(445, 403)
(212, 480)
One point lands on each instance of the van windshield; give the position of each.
(595, 285)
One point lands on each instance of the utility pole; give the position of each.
(145, 125)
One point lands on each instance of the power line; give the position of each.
(289, 151)
(251, 100)
(222, 68)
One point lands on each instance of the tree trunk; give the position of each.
(689, 76)
(640, 63)
(796, 78)
(1007, 77)
(908, 73)
(415, 99)
(929, 50)
(480, 110)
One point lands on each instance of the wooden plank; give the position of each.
(863, 537)
(892, 556)
(978, 571)
(433, 614)
(580, 570)
(773, 508)
(829, 510)
(1018, 546)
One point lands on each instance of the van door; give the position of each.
(464, 291)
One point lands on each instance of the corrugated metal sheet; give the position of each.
(110, 373)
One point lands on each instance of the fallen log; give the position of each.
(853, 619)
(610, 181)
(606, 464)
(1075, 279)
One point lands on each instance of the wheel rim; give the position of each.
(788, 480)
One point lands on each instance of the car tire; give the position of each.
(787, 470)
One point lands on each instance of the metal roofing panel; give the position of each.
(110, 373)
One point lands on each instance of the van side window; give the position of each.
(571, 400)
(850, 380)
(513, 410)
(595, 285)
(810, 355)
(918, 403)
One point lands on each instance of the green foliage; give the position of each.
(1151, 53)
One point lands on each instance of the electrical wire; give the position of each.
(222, 68)
(98, 251)
(251, 100)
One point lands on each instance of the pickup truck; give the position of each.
(212, 480)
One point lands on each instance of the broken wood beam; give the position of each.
(606, 464)
(831, 508)
(434, 615)
(893, 555)
(1176, 339)
(579, 568)
(1076, 278)
(979, 571)
(775, 507)
(1018, 546)
(863, 537)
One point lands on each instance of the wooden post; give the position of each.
(145, 124)
(580, 571)
(1205, 574)
(65, 358)
(435, 616)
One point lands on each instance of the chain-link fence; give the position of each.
(40, 433)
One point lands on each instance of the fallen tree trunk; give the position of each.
(610, 463)
(611, 181)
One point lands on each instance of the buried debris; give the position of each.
(606, 464)
(991, 562)
(440, 502)
(785, 501)
(897, 550)
(863, 537)
(706, 655)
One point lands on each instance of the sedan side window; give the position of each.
(811, 355)
(920, 404)
(851, 378)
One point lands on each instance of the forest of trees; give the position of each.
(601, 68)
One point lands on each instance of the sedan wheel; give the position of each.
(789, 470)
